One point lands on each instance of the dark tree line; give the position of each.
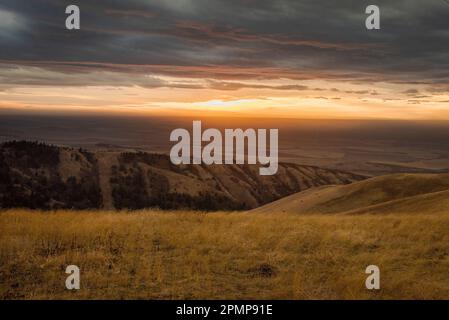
(29, 178)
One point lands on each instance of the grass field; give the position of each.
(163, 255)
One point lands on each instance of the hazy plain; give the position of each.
(370, 147)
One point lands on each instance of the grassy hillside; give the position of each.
(435, 202)
(39, 176)
(163, 255)
(142, 180)
(398, 193)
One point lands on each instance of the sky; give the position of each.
(283, 58)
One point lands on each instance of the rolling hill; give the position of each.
(40, 176)
(396, 193)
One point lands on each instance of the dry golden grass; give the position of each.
(160, 255)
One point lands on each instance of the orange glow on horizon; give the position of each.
(313, 99)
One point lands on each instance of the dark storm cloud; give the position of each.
(231, 39)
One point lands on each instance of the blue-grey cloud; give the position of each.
(233, 39)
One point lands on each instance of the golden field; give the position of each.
(188, 255)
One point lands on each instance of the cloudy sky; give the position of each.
(282, 58)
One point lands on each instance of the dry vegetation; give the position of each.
(158, 255)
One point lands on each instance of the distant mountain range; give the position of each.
(40, 176)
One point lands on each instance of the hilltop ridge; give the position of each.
(395, 193)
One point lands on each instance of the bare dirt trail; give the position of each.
(105, 162)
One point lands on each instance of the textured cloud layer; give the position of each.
(227, 45)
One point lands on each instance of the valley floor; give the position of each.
(187, 255)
